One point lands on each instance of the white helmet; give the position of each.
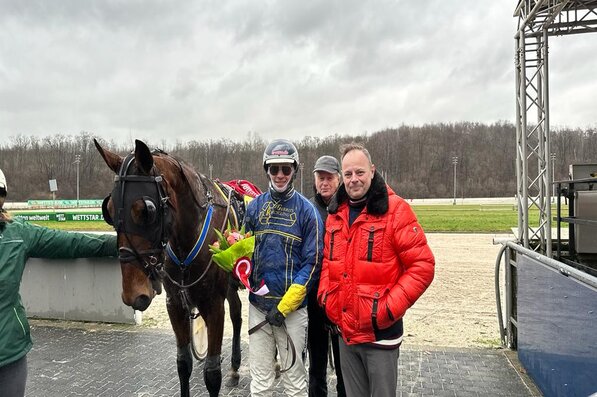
(3, 182)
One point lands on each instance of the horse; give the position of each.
(163, 210)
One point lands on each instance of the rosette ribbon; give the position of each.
(237, 259)
(242, 270)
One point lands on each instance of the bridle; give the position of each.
(157, 217)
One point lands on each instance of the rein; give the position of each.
(288, 338)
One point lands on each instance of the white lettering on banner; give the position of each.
(87, 217)
(33, 217)
(60, 217)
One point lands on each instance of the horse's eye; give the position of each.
(149, 212)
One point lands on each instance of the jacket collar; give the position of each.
(282, 196)
(319, 200)
(377, 201)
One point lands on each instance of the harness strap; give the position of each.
(218, 185)
(170, 252)
(198, 244)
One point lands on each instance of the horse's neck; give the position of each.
(190, 217)
(188, 220)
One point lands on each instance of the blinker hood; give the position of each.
(130, 188)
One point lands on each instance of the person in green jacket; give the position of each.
(18, 242)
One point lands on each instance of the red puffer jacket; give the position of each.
(376, 269)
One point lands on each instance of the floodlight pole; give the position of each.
(455, 162)
(553, 175)
(77, 162)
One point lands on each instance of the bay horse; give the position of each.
(163, 210)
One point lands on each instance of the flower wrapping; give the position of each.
(232, 252)
(227, 258)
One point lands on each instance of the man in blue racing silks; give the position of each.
(288, 244)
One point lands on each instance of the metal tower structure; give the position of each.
(537, 21)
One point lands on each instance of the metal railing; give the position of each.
(508, 324)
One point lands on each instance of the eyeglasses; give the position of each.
(274, 169)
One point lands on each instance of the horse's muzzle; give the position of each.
(141, 302)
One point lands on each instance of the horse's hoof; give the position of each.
(233, 379)
(277, 369)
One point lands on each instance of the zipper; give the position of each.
(19, 320)
(370, 244)
(374, 315)
(332, 244)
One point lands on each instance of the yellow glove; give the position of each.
(292, 299)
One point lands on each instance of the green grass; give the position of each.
(433, 218)
(471, 218)
(466, 218)
(95, 226)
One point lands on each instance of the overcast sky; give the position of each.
(184, 70)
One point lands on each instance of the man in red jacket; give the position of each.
(376, 265)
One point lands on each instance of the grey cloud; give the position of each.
(222, 68)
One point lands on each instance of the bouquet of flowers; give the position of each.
(230, 246)
(232, 251)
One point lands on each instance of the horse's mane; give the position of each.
(196, 181)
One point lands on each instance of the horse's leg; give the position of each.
(180, 324)
(214, 319)
(184, 365)
(235, 305)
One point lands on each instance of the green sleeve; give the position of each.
(43, 242)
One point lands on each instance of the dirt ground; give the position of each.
(458, 309)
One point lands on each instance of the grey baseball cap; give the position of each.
(327, 164)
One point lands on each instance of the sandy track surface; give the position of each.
(458, 309)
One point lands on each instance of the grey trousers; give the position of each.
(13, 378)
(369, 371)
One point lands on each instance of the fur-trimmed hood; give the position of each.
(377, 197)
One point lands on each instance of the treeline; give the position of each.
(417, 161)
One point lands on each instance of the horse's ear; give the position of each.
(113, 160)
(143, 157)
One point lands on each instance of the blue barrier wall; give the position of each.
(557, 329)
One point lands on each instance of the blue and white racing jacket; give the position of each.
(288, 247)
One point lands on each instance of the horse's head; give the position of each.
(139, 210)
